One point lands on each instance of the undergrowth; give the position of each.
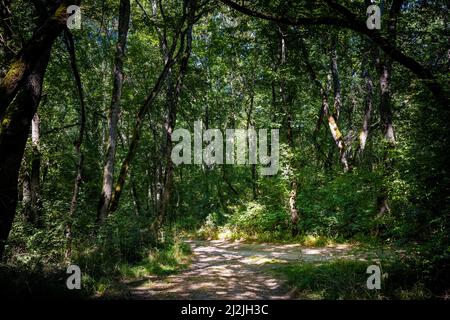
(345, 279)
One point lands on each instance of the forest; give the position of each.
(224, 149)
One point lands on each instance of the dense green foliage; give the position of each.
(242, 71)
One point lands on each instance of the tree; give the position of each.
(23, 83)
(113, 116)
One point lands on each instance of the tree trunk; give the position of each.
(286, 105)
(385, 70)
(174, 90)
(336, 83)
(14, 132)
(325, 109)
(385, 102)
(29, 58)
(36, 205)
(367, 115)
(77, 143)
(135, 197)
(136, 136)
(26, 198)
(333, 116)
(113, 117)
(22, 87)
(31, 182)
(388, 134)
(368, 105)
(250, 123)
(115, 198)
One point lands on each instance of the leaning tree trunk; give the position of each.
(113, 117)
(333, 116)
(143, 111)
(338, 138)
(20, 93)
(135, 139)
(13, 137)
(174, 91)
(30, 57)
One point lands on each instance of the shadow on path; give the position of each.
(233, 270)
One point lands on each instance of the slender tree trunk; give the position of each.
(148, 103)
(31, 181)
(73, 202)
(388, 134)
(36, 205)
(334, 130)
(113, 117)
(367, 114)
(135, 197)
(174, 93)
(368, 106)
(385, 103)
(333, 116)
(286, 104)
(336, 83)
(26, 198)
(250, 123)
(117, 192)
(77, 143)
(385, 70)
(325, 109)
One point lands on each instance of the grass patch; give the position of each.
(23, 282)
(163, 261)
(233, 234)
(103, 276)
(344, 279)
(159, 262)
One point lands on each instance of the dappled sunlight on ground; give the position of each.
(234, 270)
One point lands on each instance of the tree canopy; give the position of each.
(88, 117)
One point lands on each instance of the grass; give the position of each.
(309, 240)
(102, 276)
(159, 262)
(20, 282)
(164, 261)
(344, 279)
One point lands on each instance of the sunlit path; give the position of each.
(233, 270)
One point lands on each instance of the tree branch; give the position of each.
(353, 23)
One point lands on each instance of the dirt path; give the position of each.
(233, 270)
